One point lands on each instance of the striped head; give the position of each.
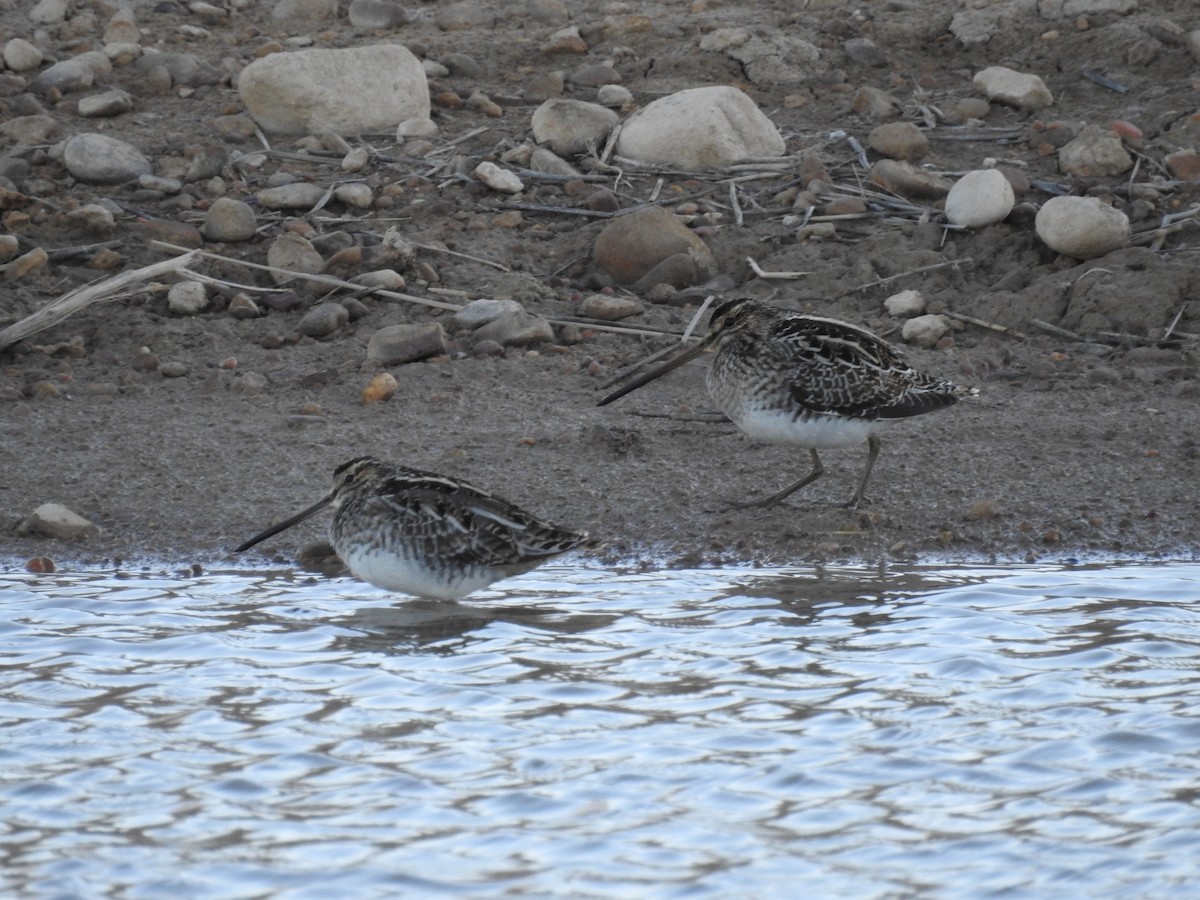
(353, 475)
(739, 315)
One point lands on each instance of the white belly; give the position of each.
(407, 576)
(817, 432)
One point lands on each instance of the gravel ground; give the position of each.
(180, 436)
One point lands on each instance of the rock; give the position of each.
(123, 54)
(481, 102)
(679, 270)
(979, 198)
(206, 162)
(242, 306)
(1082, 227)
(378, 14)
(122, 28)
(416, 127)
(184, 69)
(395, 345)
(28, 131)
(110, 103)
(498, 178)
(722, 40)
(1184, 165)
(382, 387)
(92, 217)
(630, 246)
(776, 57)
(545, 160)
(463, 16)
(249, 384)
(99, 159)
(229, 220)
(874, 104)
(352, 90)
(49, 12)
(979, 23)
(386, 279)
(543, 86)
(1067, 9)
(905, 304)
(516, 329)
(609, 307)
(21, 56)
(566, 41)
(925, 331)
(294, 253)
(187, 298)
(480, 312)
(960, 110)
(300, 195)
(1192, 42)
(355, 194)
(907, 180)
(159, 184)
(26, 264)
(73, 74)
(594, 76)
(1093, 153)
(614, 96)
(899, 140)
(313, 10)
(1013, 88)
(54, 520)
(570, 127)
(699, 128)
(323, 320)
(865, 52)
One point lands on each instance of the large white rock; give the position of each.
(348, 91)
(979, 198)
(1020, 89)
(925, 331)
(569, 127)
(100, 159)
(699, 128)
(22, 56)
(1082, 227)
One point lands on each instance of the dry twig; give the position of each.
(81, 297)
(984, 323)
(966, 260)
(1057, 331)
(782, 276)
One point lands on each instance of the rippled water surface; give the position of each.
(1016, 732)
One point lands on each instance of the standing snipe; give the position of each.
(788, 378)
(406, 530)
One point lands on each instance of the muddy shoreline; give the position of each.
(182, 435)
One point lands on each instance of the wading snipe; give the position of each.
(406, 530)
(788, 378)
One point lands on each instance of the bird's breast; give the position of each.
(803, 429)
(396, 571)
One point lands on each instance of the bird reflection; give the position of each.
(448, 626)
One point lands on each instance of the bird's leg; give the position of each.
(872, 452)
(817, 471)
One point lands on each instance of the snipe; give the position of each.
(808, 381)
(430, 535)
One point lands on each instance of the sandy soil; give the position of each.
(1073, 448)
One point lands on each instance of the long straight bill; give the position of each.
(669, 366)
(286, 524)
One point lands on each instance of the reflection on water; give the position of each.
(1024, 731)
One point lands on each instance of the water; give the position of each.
(1016, 732)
